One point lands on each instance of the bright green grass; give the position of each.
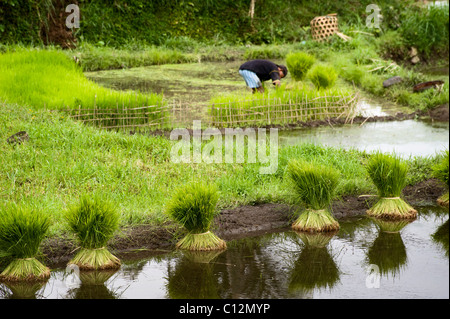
(275, 106)
(22, 229)
(64, 159)
(93, 221)
(49, 79)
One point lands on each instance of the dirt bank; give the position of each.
(245, 221)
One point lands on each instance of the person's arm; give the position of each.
(275, 76)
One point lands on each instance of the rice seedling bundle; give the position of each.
(441, 172)
(299, 64)
(94, 222)
(323, 76)
(388, 173)
(314, 186)
(194, 207)
(22, 230)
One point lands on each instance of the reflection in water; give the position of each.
(441, 237)
(280, 265)
(21, 290)
(194, 277)
(93, 286)
(406, 138)
(388, 251)
(315, 267)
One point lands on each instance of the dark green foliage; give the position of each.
(426, 29)
(117, 23)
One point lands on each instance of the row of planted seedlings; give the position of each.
(297, 103)
(94, 221)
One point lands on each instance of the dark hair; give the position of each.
(284, 68)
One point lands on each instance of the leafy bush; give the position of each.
(299, 64)
(427, 28)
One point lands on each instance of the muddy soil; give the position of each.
(246, 221)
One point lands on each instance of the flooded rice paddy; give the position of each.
(360, 261)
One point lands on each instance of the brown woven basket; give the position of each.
(324, 27)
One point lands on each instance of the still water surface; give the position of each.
(360, 261)
(406, 138)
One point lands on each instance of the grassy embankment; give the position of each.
(64, 159)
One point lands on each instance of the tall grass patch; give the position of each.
(22, 230)
(194, 207)
(388, 173)
(49, 79)
(314, 185)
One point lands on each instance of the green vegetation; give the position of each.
(426, 28)
(135, 174)
(315, 186)
(22, 230)
(441, 172)
(194, 207)
(64, 159)
(49, 79)
(162, 22)
(323, 76)
(299, 64)
(94, 222)
(388, 173)
(287, 104)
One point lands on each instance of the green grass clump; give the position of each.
(299, 64)
(388, 173)
(49, 79)
(314, 185)
(94, 222)
(426, 28)
(22, 230)
(323, 76)
(441, 172)
(194, 207)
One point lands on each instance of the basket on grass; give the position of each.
(324, 27)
